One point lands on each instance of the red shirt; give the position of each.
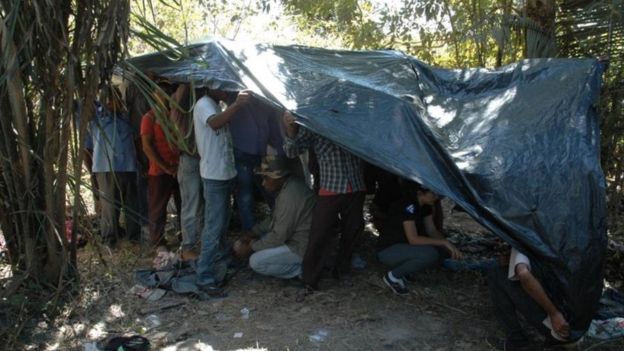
(168, 152)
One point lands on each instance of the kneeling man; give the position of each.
(279, 242)
(517, 290)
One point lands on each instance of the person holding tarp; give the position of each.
(517, 288)
(189, 179)
(342, 192)
(217, 170)
(409, 240)
(251, 134)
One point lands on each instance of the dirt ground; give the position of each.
(445, 310)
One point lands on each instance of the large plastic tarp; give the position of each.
(516, 147)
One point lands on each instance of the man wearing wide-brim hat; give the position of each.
(279, 242)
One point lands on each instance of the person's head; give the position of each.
(110, 96)
(274, 171)
(200, 92)
(218, 95)
(427, 197)
(424, 195)
(162, 93)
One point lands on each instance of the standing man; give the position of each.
(137, 106)
(517, 289)
(279, 242)
(251, 133)
(115, 165)
(189, 179)
(163, 166)
(341, 192)
(217, 170)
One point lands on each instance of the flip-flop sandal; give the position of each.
(124, 343)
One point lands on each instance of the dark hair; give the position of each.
(411, 188)
(108, 93)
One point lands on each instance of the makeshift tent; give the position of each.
(517, 147)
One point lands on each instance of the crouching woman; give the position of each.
(409, 240)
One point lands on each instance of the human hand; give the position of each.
(243, 97)
(249, 236)
(560, 324)
(289, 119)
(242, 248)
(455, 253)
(171, 170)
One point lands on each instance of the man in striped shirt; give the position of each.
(342, 192)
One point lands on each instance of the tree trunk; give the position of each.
(52, 53)
(540, 36)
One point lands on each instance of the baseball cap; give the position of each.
(273, 167)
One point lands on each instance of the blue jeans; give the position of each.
(245, 180)
(192, 211)
(277, 262)
(405, 259)
(214, 251)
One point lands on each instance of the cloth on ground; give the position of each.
(611, 305)
(177, 276)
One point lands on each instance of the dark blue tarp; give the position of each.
(517, 147)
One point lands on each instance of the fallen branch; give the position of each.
(449, 307)
(161, 308)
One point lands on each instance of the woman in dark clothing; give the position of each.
(409, 241)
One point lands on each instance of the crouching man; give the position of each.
(517, 289)
(279, 242)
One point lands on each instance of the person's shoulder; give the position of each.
(206, 101)
(405, 206)
(297, 184)
(148, 116)
(147, 123)
(517, 257)
(205, 104)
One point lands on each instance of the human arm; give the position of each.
(534, 289)
(292, 128)
(286, 214)
(413, 238)
(261, 228)
(296, 140)
(432, 229)
(153, 156)
(176, 114)
(242, 247)
(88, 159)
(220, 119)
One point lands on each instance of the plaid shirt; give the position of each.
(338, 168)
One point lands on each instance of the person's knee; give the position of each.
(430, 255)
(256, 263)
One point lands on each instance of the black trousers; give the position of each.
(324, 217)
(509, 298)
